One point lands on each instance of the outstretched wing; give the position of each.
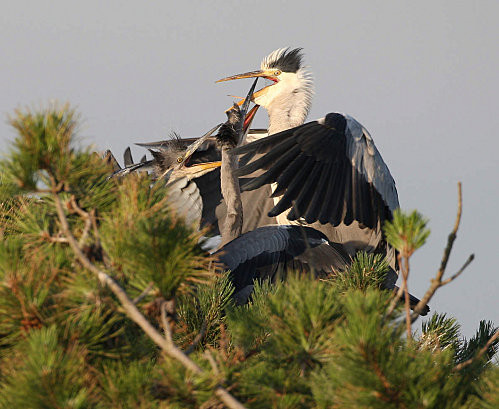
(327, 170)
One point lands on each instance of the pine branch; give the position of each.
(405, 276)
(144, 293)
(212, 362)
(437, 282)
(199, 337)
(479, 354)
(85, 215)
(132, 311)
(403, 290)
(166, 325)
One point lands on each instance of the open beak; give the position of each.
(267, 74)
(193, 147)
(200, 167)
(250, 74)
(249, 118)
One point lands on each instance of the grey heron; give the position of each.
(185, 167)
(230, 135)
(191, 169)
(326, 174)
(269, 252)
(263, 253)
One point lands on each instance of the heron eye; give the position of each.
(276, 73)
(180, 159)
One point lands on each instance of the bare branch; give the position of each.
(452, 235)
(77, 209)
(479, 354)
(437, 282)
(399, 293)
(86, 229)
(55, 239)
(144, 293)
(405, 276)
(94, 226)
(132, 311)
(466, 264)
(166, 325)
(212, 362)
(85, 215)
(199, 337)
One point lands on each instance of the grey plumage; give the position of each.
(324, 171)
(127, 157)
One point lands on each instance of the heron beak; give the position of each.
(249, 118)
(196, 144)
(267, 74)
(200, 167)
(251, 74)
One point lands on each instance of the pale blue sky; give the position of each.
(421, 76)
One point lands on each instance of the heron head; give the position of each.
(173, 160)
(282, 67)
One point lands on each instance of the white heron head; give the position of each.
(291, 89)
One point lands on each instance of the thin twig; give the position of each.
(166, 325)
(479, 354)
(85, 215)
(405, 276)
(76, 208)
(132, 311)
(466, 264)
(399, 293)
(437, 281)
(143, 294)
(212, 362)
(94, 226)
(199, 337)
(86, 229)
(57, 239)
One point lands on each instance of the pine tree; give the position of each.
(108, 301)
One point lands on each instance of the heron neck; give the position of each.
(288, 109)
(282, 119)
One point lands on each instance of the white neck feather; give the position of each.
(288, 102)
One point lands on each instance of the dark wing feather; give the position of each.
(137, 167)
(127, 157)
(109, 158)
(352, 183)
(182, 143)
(303, 201)
(266, 252)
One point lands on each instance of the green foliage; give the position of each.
(204, 312)
(43, 144)
(250, 324)
(65, 341)
(26, 296)
(146, 241)
(127, 386)
(376, 368)
(406, 232)
(44, 374)
(489, 393)
(366, 271)
(440, 332)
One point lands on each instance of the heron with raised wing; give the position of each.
(326, 174)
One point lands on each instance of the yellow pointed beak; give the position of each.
(270, 74)
(250, 74)
(205, 166)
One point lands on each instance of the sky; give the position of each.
(422, 77)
